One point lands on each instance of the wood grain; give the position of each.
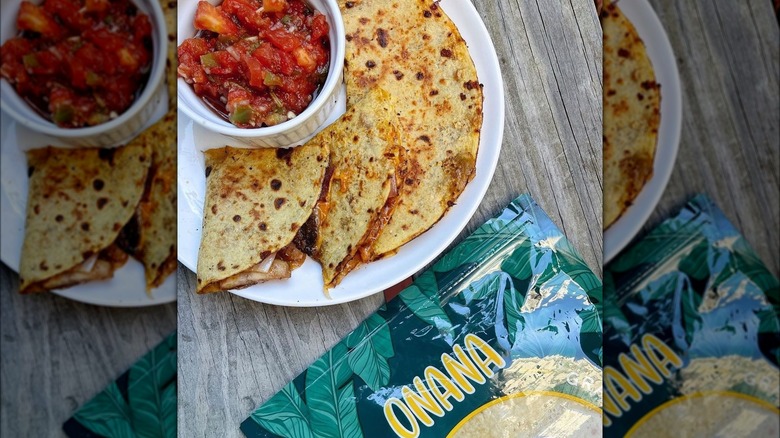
(57, 354)
(236, 353)
(729, 63)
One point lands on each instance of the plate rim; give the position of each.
(633, 219)
(484, 41)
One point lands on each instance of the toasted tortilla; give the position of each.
(411, 49)
(632, 102)
(256, 201)
(361, 187)
(171, 76)
(156, 213)
(78, 202)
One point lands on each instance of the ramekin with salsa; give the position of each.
(79, 62)
(256, 62)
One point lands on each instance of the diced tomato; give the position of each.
(274, 5)
(275, 60)
(319, 27)
(68, 13)
(224, 64)
(209, 17)
(246, 12)
(283, 39)
(97, 5)
(142, 30)
(36, 19)
(256, 72)
(190, 52)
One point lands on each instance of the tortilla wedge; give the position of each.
(256, 201)
(411, 49)
(632, 102)
(360, 192)
(78, 202)
(151, 236)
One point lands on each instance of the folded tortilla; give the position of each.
(151, 236)
(360, 192)
(411, 49)
(256, 201)
(78, 202)
(632, 102)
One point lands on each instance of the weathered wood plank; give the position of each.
(57, 354)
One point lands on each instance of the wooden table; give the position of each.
(57, 354)
(729, 61)
(235, 353)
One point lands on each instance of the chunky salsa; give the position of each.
(79, 62)
(256, 62)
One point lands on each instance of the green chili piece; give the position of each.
(272, 80)
(63, 115)
(30, 61)
(209, 60)
(241, 115)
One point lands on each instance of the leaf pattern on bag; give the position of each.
(285, 414)
(148, 409)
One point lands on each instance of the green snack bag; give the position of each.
(691, 333)
(139, 403)
(502, 330)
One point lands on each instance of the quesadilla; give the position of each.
(256, 201)
(150, 236)
(78, 202)
(632, 102)
(360, 191)
(411, 49)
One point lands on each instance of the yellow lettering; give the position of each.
(660, 354)
(610, 407)
(619, 387)
(395, 423)
(461, 368)
(474, 345)
(639, 368)
(437, 380)
(422, 401)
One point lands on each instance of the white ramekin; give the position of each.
(291, 132)
(115, 132)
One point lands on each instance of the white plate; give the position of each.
(126, 289)
(649, 28)
(305, 287)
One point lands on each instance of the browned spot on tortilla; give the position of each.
(98, 184)
(214, 209)
(398, 75)
(276, 184)
(381, 36)
(285, 154)
(85, 226)
(30, 171)
(278, 202)
(262, 226)
(427, 14)
(101, 202)
(370, 64)
(447, 53)
(425, 138)
(623, 53)
(37, 209)
(208, 171)
(419, 75)
(117, 226)
(107, 155)
(237, 218)
(43, 266)
(433, 92)
(349, 4)
(294, 226)
(364, 20)
(221, 265)
(59, 218)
